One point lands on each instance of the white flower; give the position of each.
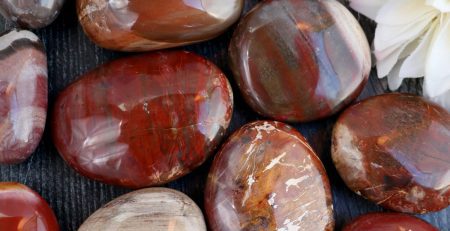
(412, 40)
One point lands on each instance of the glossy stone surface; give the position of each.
(22, 209)
(143, 120)
(23, 95)
(388, 222)
(155, 209)
(31, 13)
(394, 150)
(299, 60)
(143, 25)
(267, 177)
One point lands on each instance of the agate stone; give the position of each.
(31, 13)
(388, 222)
(143, 25)
(267, 177)
(155, 209)
(394, 150)
(299, 60)
(143, 120)
(22, 209)
(23, 95)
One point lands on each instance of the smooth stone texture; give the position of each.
(31, 13)
(388, 222)
(267, 177)
(394, 150)
(143, 25)
(155, 209)
(143, 120)
(299, 60)
(22, 209)
(23, 95)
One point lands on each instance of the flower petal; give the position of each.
(442, 99)
(442, 5)
(399, 12)
(394, 79)
(369, 8)
(385, 65)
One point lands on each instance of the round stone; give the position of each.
(143, 120)
(394, 150)
(32, 14)
(388, 222)
(156, 209)
(23, 95)
(299, 60)
(143, 25)
(267, 177)
(22, 209)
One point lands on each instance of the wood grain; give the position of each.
(74, 197)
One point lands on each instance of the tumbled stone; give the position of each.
(23, 95)
(22, 209)
(143, 25)
(394, 150)
(267, 177)
(388, 222)
(155, 209)
(143, 120)
(31, 13)
(299, 60)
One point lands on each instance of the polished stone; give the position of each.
(23, 95)
(267, 177)
(394, 150)
(299, 60)
(31, 13)
(155, 209)
(22, 209)
(388, 222)
(143, 120)
(143, 25)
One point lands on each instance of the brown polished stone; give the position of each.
(267, 177)
(143, 25)
(299, 60)
(394, 150)
(22, 209)
(23, 95)
(152, 209)
(143, 120)
(388, 222)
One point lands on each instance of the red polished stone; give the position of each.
(23, 95)
(388, 222)
(394, 149)
(143, 120)
(22, 209)
(299, 60)
(267, 177)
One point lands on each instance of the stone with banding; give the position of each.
(267, 177)
(143, 120)
(32, 14)
(388, 222)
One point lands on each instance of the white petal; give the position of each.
(369, 8)
(437, 69)
(442, 5)
(442, 99)
(384, 66)
(394, 80)
(399, 12)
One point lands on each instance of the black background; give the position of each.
(74, 198)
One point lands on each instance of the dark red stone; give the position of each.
(267, 177)
(299, 60)
(388, 222)
(143, 120)
(22, 209)
(394, 150)
(23, 95)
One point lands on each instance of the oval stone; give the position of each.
(299, 60)
(156, 209)
(143, 25)
(267, 177)
(23, 95)
(31, 13)
(388, 222)
(394, 150)
(143, 120)
(22, 209)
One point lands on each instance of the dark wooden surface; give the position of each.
(74, 197)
